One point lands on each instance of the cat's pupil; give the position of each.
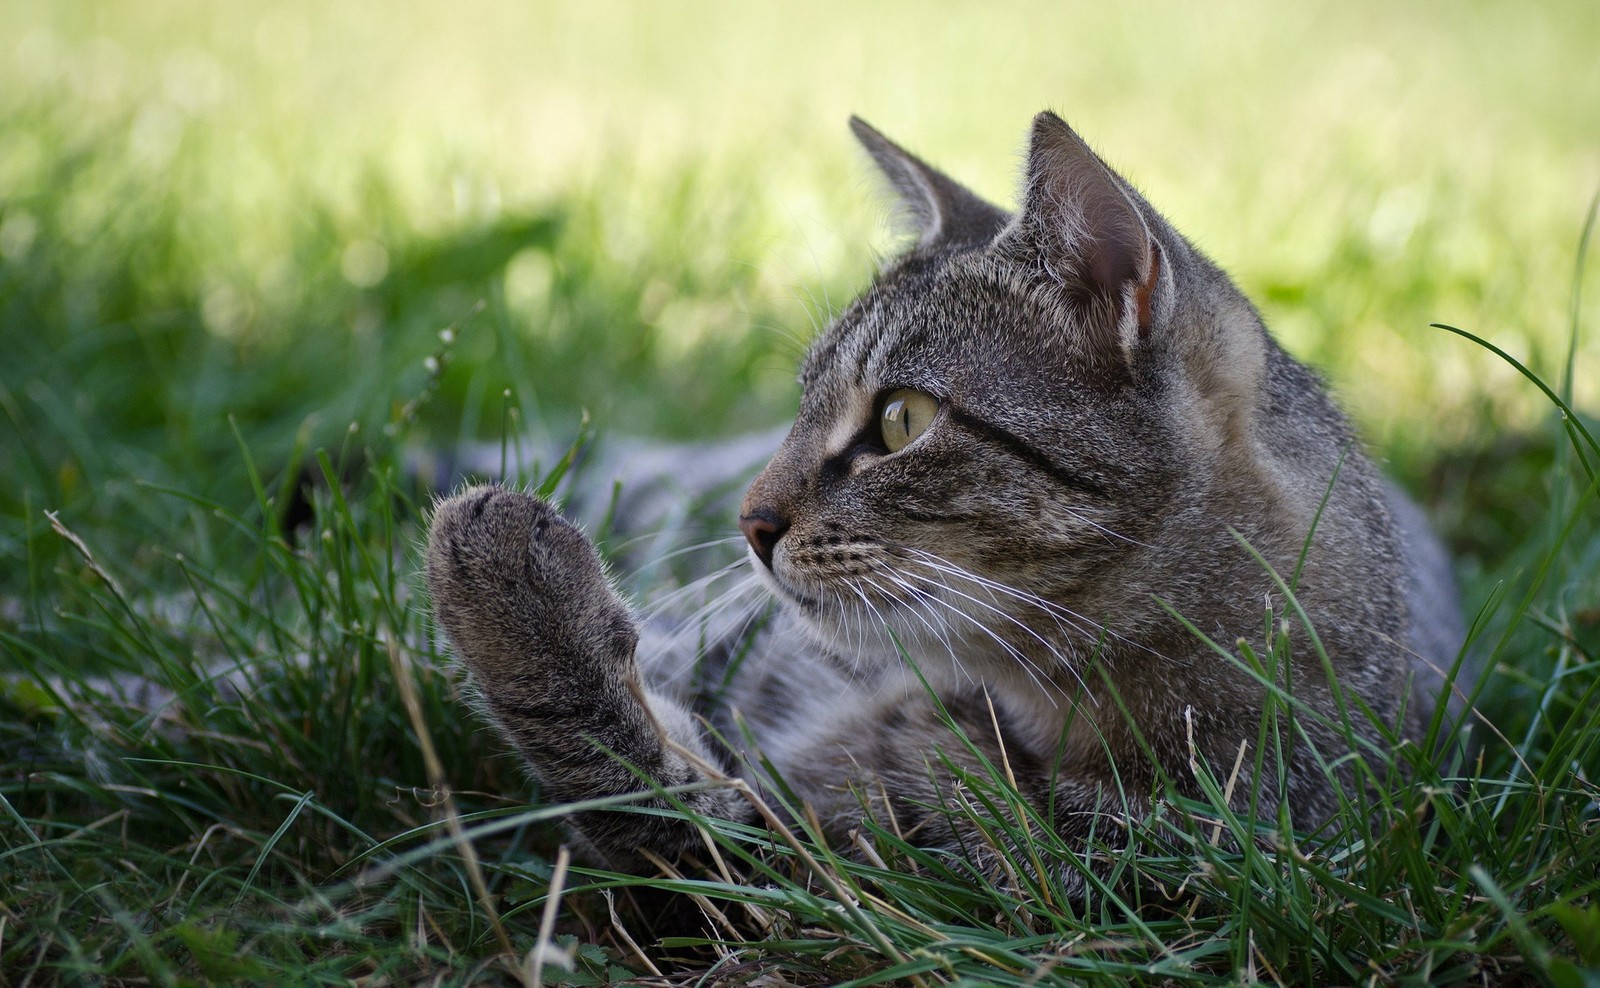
(906, 415)
(896, 414)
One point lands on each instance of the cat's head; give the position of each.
(996, 441)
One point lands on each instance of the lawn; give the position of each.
(242, 247)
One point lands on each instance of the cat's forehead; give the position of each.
(929, 323)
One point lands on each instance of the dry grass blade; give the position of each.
(545, 950)
(437, 779)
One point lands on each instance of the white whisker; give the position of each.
(662, 603)
(1090, 629)
(1082, 515)
(941, 635)
(954, 656)
(1029, 666)
(736, 600)
(698, 547)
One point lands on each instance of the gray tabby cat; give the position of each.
(1028, 445)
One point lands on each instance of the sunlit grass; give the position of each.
(230, 239)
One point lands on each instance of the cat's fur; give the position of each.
(1115, 427)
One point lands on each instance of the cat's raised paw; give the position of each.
(514, 584)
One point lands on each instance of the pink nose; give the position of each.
(763, 529)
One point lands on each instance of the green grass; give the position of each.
(229, 243)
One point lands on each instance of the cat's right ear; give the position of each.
(1079, 225)
(937, 209)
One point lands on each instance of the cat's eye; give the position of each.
(906, 415)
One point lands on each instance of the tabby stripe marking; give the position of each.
(1022, 451)
(952, 518)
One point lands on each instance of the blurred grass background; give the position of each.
(1363, 169)
(268, 212)
(230, 236)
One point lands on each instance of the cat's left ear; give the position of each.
(938, 209)
(1080, 225)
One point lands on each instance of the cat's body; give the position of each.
(1032, 443)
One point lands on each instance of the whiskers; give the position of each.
(1073, 624)
(1081, 515)
(949, 612)
(911, 600)
(705, 547)
(890, 602)
(936, 590)
(706, 619)
(664, 604)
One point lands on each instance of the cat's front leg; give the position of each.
(523, 597)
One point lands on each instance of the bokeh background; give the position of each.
(226, 224)
(240, 181)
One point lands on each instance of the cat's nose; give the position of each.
(763, 528)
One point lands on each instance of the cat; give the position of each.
(1035, 442)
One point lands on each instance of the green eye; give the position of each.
(906, 415)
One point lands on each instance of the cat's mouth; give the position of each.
(785, 589)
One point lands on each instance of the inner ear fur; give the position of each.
(1091, 236)
(1080, 225)
(937, 210)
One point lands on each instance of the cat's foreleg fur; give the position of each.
(525, 601)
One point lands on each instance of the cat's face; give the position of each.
(1009, 490)
(976, 457)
